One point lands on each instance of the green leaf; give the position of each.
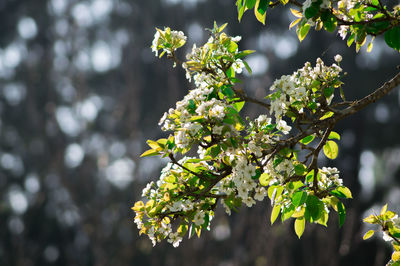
(275, 213)
(383, 210)
(287, 212)
(392, 38)
(250, 4)
(342, 192)
(262, 6)
(314, 207)
(264, 179)
(299, 198)
(299, 226)
(191, 106)
(327, 115)
(331, 149)
(215, 150)
(274, 192)
(302, 30)
(232, 47)
(296, 13)
(328, 91)
(227, 91)
(196, 118)
(361, 37)
(260, 10)
(310, 177)
(238, 105)
(345, 191)
(307, 139)
(248, 68)
(351, 38)
(341, 213)
(329, 21)
(150, 152)
(323, 219)
(244, 53)
(370, 46)
(311, 11)
(300, 169)
(241, 7)
(368, 234)
(222, 27)
(342, 94)
(372, 219)
(230, 72)
(154, 145)
(162, 142)
(334, 135)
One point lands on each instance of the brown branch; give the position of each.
(246, 98)
(371, 98)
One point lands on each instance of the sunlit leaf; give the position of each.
(275, 213)
(341, 213)
(299, 226)
(334, 135)
(368, 234)
(307, 139)
(331, 149)
(150, 152)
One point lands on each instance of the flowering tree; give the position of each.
(217, 157)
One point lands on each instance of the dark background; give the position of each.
(81, 91)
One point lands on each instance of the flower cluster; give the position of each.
(237, 163)
(304, 90)
(389, 223)
(168, 41)
(358, 19)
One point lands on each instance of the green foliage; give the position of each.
(242, 160)
(260, 8)
(389, 223)
(392, 38)
(366, 18)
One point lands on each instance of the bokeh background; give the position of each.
(81, 91)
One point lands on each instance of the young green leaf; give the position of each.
(302, 30)
(368, 234)
(150, 152)
(296, 13)
(299, 226)
(327, 115)
(334, 135)
(238, 105)
(307, 139)
(260, 10)
(383, 210)
(372, 219)
(341, 213)
(331, 149)
(275, 213)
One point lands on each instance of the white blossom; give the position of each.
(174, 239)
(199, 218)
